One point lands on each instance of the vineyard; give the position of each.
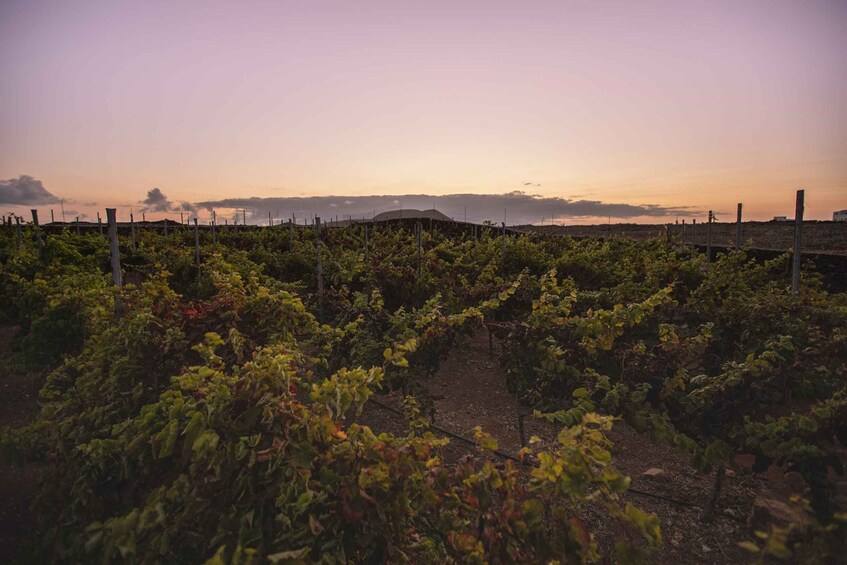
(294, 395)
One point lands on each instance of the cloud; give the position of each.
(521, 207)
(156, 201)
(25, 190)
(187, 207)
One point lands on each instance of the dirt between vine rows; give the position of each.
(470, 389)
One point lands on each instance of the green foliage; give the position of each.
(215, 420)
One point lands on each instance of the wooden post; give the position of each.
(166, 227)
(244, 215)
(320, 269)
(38, 242)
(52, 219)
(503, 250)
(709, 237)
(682, 236)
(131, 229)
(214, 228)
(738, 227)
(18, 226)
(143, 217)
(99, 223)
(270, 220)
(197, 246)
(798, 241)
(694, 234)
(366, 243)
(418, 230)
(114, 251)
(77, 225)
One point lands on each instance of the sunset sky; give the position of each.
(662, 109)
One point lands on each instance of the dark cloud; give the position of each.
(521, 207)
(25, 190)
(156, 201)
(187, 207)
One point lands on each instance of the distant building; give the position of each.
(780, 218)
(839, 216)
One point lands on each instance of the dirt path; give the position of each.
(470, 390)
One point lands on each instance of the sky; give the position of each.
(644, 111)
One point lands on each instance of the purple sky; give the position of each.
(680, 105)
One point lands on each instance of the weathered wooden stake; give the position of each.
(77, 225)
(798, 241)
(503, 250)
(197, 246)
(99, 223)
(115, 253)
(694, 234)
(709, 237)
(131, 229)
(320, 270)
(738, 227)
(18, 227)
(682, 236)
(709, 511)
(366, 243)
(38, 242)
(418, 230)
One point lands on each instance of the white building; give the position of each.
(839, 216)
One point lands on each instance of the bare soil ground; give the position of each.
(470, 390)
(818, 237)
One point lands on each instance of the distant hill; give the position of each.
(411, 214)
